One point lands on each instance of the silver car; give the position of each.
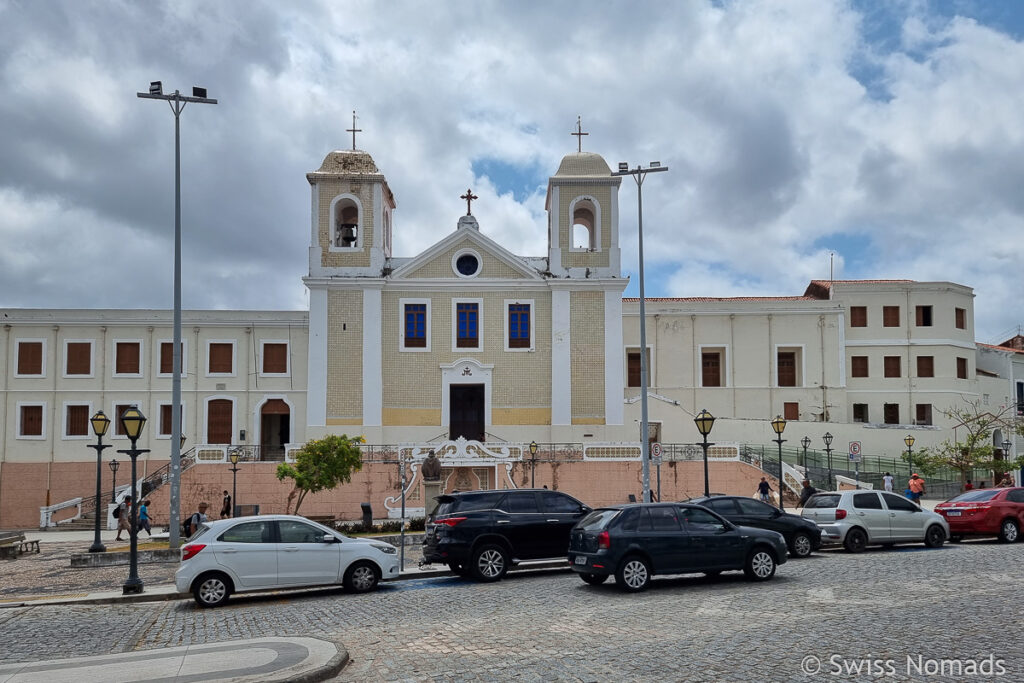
(859, 518)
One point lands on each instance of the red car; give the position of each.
(985, 512)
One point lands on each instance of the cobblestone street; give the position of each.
(958, 602)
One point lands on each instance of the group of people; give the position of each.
(124, 517)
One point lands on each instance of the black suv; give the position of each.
(481, 533)
(635, 542)
(802, 535)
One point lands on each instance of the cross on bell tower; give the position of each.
(579, 134)
(469, 197)
(353, 129)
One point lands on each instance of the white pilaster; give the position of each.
(373, 375)
(561, 360)
(316, 389)
(613, 353)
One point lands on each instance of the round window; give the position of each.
(467, 265)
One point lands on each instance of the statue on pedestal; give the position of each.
(431, 471)
(431, 468)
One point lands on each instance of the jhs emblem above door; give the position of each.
(466, 372)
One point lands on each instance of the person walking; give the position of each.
(887, 480)
(917, 488)
(968, 486)
(144, 518)
(124, 511)
(225, 508)
(1007, 481)
(196, 519)
(805, 493)
(764, 491)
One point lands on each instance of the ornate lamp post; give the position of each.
(233, 456)
(1007, 445)
(805, 442)
(705, 421)
(828, 449)
(779, 425)
(533, 462)
(909, 440)
(100, 423)
(113, 465)
(132, 422)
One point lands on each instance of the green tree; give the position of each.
(321, 465)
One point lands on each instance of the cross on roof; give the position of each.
(353, 129)
(469, 197)
(579, 134)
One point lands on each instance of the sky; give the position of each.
(885, 138)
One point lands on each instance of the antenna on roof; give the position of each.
(831, 271)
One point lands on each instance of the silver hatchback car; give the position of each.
(859, 518)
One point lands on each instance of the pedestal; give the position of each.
(431, 489)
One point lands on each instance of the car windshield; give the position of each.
(823, 500)
(598, 519)
(975, 496)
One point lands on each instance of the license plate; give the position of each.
(952, 513)
(580, 559)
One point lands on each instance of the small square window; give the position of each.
(961, 368)
(892, 366)
(275, 358)
(127, 358)
(791, 411)
(923, 413)
(30, 358)
(76, 421)
(860, 412)
(858, 316)
(711, 368)
(78, 358)
(891, 413)
(30, 420)
(167, 358)
(890, 316)
(925, 366)
(221, 358)
(923, 316)
(859, 366)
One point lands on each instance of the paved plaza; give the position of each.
(952, 607)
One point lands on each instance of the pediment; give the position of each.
(439, 261)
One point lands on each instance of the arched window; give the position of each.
(585, 224)
(345, 223)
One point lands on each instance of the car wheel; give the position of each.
(856, 541)
(1009, 531)
(211, 590)
(362, 577)
(490, 562)
(594, 579)
(633, 574)
(935, 536)
(801, 545)
(458, 569)
(760, 565)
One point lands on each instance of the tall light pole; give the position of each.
(779, 425)
(177, 101)
(828, 450)
(909, 440)
(705, 421)
(100, 423)
(638, 175)
(132, 422)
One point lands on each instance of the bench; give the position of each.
(10, 544)
(28, 546)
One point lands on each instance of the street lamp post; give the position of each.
(828, 450)
(100, 423)
(177, 102)
(132, 422)
(638, 175)
(805, 442)
(113, 465)
(233, 456)
(705, 421)
(779, 425)
(909, 440)
(533, 463)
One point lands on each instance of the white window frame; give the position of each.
(114, 417)
(800, 350)
(724, 348)
(597, 223)
(234, 357)
(113, 357)
(479, 325)
(42, 364)
(64, 432)
(533, 324)
(472, 252)
(92, 359)
(184, 356)
(401, 325)
(29, 437)
(287, 359)
(206, 416)
(334, 226)
(159, 422)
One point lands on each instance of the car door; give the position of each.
(249, 550)
(757, 514)
(303, 558)
(906, 520)
(561, 512)
(869, 514)
(524, 525)
(661, 535)
(726, 507)
(713, 544)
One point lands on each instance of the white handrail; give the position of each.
(46, 513)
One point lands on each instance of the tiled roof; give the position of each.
(699, 299)
(999, 347)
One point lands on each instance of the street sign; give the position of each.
(855, 451)
(656, 449)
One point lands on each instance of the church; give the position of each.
(477, 352)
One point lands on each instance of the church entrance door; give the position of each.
(467, 412)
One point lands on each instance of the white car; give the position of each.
(859, 518)
(269, 552)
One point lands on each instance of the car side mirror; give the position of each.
(329, 538)
(584, 509)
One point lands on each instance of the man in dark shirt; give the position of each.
(805, 493)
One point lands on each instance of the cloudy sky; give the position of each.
(890, 134)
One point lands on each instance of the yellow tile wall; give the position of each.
(586, 318)
(441, 267)
(344, 356)
(566, 195)
(329, 189)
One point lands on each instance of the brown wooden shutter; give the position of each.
(78, 358)
(787, 369)
(924, 413)
(274, 406)
(30, 358)
(891, 413)
(961, 319)
(220, 358)
(791, 411)
(78, 421)
(118, 410)
(892, 366)
(890, 316)
(858, 316)
(961, 368)
(859, 366)
(31, 420)
(633, 369)
(925, 366)
(167, 358)
(218, 421)
(165, 419)
(275, 358)
(126, 360)
(711, 369)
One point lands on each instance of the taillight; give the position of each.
(191, 550)
(450, 521)
(977, 506)
(840, 514)
(604, 540)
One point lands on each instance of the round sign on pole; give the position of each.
(656, 449)
(855, 451)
